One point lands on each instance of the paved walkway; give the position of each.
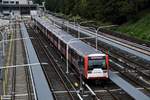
(1, 60)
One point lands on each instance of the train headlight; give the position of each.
(76, 84)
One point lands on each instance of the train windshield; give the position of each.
(96, 62)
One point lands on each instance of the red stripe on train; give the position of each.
(86, 66)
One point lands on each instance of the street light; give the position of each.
(71, 41)
(68, 25)
(43, 4)
(97, 30)
(2, 54)
(67, 69)
(3, 45)
(78, 25)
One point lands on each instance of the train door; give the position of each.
(58, 44)
(81, 64)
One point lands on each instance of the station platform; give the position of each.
(39, 82)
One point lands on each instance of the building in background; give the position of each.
(17, 7)
(15, 1)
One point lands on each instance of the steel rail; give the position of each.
(137, 69)
(52, 60)
(138, 46)
(27, 73)
(130, 65)
(41, 89)
(125, 85)
(104, 38)
(49, 81)
(134, 69)
(14, 69)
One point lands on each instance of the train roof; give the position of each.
(80, 47)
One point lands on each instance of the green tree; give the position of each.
(115, 11)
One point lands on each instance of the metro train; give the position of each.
(92, 63)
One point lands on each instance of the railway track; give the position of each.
(130, 66)
(27, 73)
(131, 45)
(108, 32)
(132, 70)
(127, 38)
(133, 78)
(57, 79)
(127, 65)
(141, 71)
(140, 67)
(128, 56)
(132, 63)
(9, 81)
(14, 69)
(97, 97)
(21, 85)
(125, 43)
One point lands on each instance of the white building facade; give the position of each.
(14, 1)
(17, 7)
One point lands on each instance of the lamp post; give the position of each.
(3, 44)
(43, 4)
(67, 48)
(78, 25)
(97, 30)
(3, 53)
(68, 25)
(67, 56)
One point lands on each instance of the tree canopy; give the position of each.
(115, 11)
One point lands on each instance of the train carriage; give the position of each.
(91, 62)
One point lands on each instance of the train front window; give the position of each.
(96, 62)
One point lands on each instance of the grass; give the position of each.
(139, 29)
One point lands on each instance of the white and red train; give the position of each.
(92, 63)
